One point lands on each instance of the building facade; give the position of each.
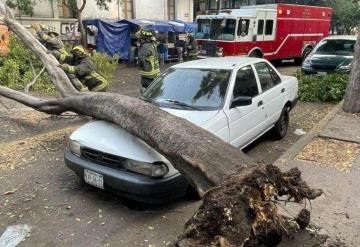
(202, 7)
(61, 19)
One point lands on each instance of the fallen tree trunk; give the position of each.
(239, 206)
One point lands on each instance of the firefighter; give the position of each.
(81, 70)
(148, 58)
(192, 49)
(49, 39)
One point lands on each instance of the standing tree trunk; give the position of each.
(82, 31)
(352, 95)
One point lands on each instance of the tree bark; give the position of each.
(239, 207)
(352, 95)
(57, 75)
(83, 40)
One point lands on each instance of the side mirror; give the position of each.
(241, 101)
(254, 37)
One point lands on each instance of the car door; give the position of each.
(273, 91)
(245, 122)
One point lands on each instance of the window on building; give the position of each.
(127, 9)
(269, 27)
(243, 28)
(245, 84)
(171, 9)
(260, 29)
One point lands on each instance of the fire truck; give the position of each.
(274, 31)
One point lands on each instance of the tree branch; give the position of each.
(69, 6)
(82, 6)
(30, 84)
(57, 75)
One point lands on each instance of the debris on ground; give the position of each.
(299, 132)
(13, 235)
(330, 153)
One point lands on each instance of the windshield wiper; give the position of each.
(148, 100)
(179, 103)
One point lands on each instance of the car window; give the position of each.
(245, 83)
(269, 27)
(267, 76)
(260, 29)
(335, 47)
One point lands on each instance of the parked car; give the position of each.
(333, 54)
(237, 99)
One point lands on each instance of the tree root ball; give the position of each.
(243, 211)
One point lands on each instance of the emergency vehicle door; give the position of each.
(270, 25)
(260, 26)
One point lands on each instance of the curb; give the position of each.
(308, 137)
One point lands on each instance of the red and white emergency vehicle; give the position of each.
(275, 31)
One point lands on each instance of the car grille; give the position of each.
(102, 158)
(323, 67)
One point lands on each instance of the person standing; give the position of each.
(192, 49)
(148, 58)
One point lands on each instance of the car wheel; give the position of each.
(300, 60)
(281, 126)
(255, 54)
(192, 194)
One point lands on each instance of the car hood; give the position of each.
(332, 60)
(110, 138)
(198, 118)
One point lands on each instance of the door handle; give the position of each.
(260, 103)
(283, 90)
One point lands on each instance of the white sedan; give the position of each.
(236, 98)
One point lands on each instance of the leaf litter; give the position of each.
(331, 153)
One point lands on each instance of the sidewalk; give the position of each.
(329, 158)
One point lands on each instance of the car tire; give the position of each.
(255, 54)
(192, 194)
(281, 126)
(300, 60)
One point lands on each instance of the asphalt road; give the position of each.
(37, 189)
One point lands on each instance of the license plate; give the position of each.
(203, 52)
(322, 73)
(94, 178)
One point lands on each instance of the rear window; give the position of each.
(336, 47)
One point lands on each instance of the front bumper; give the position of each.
(323, 72)
(133, 186)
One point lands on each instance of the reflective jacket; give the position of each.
(149, 60)
(84, 69)
(192, 48)
(51, 43)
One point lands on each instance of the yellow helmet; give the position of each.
(78, 50)
(144, 34)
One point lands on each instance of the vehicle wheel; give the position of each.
(255, 54)
(281, 126)
(192, 194)
(300, 60)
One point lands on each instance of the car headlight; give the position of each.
(306, 64)
(156, 169)
(75, 147)
(345, 67)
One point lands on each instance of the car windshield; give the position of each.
(190, 89)
(336, 47)
(223, 29)
(203, 29)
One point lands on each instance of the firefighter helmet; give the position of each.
(78, 51)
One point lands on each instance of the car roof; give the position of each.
(341, 37)
(217, 63)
